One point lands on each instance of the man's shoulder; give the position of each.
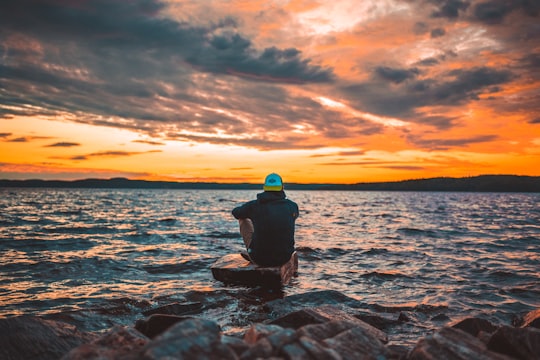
(292, 203)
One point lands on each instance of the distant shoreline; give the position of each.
(482, 183)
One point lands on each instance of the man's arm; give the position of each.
(243, 211)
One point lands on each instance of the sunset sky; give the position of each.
(339, 91)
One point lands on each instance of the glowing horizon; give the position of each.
(319, 92)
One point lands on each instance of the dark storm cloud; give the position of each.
(495, 11)
(488, 12)
(438, 32)
(428, 62)
(449, 8)
(395, 75)
(289, 142)
(134, 26)
(406, 92)
(104, 60)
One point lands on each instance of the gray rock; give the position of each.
(258, 331)
(29, 337)
(189, 339)
(452, 344)
(521, 343)
(326, 313)
(176, 308)
(234, 269)
(119, 342)
(473, 326)
(357, 343)
(316, 350)
(157, 324)
(281, 307)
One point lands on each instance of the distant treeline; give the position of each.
(483, 183)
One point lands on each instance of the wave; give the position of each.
(420, 308)
(189, 266)
(375, 251)
(381, 275)
(222, 235)
(417, 232)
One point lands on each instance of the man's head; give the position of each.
(273, 182)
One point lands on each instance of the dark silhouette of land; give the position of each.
(483, 183)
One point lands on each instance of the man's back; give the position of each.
(273, 218)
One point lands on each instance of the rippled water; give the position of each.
(441, 256)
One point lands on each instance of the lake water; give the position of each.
(439, 256)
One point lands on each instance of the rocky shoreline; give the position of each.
(313, 325)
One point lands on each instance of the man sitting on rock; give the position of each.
(267, 224)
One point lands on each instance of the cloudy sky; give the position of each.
(320, 91)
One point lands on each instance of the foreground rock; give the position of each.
(27, 337)
(119, 342)
(519, 343)
(234, 269)
(451, 343)
(312, 332)
(189, 339)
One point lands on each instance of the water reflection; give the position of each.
(65, 249)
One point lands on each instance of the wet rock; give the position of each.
(189, 339)
(532, 319)
(157, 324)
(357, 343)
(234, 269)
(403, 317)
(345, 338)
(281, 307)
(28, 337)
(455, 344)
(521, 343)
(258, 331)
(327, 330)
(119, 342)
(270, 345)
(176, 308)
(380, 322)
(316, 350)
(398, 352)
(261, 350)
(473, 326)
(238, 345)
(294, 351)
(324, 314)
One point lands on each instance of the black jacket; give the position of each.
(273, 218)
